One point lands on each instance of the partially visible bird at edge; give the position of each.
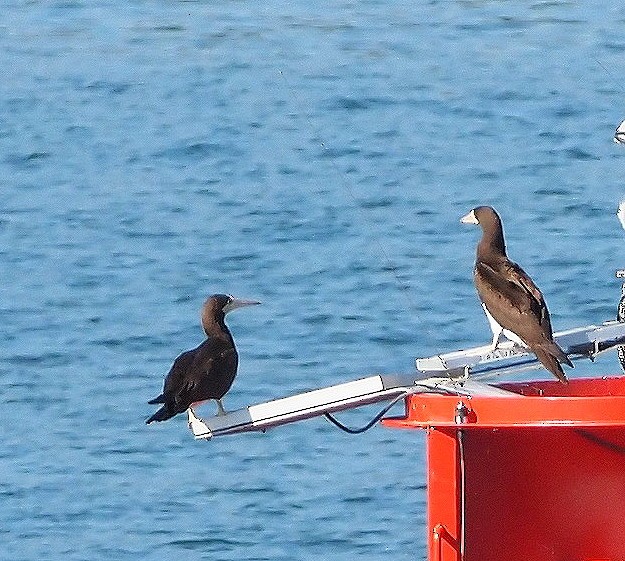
(620, 214)
(206, 372)
(619, 133)
(512, 302)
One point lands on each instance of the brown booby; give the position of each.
(513, 303)
(206, 372)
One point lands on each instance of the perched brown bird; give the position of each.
(511, 300)
(206, 372)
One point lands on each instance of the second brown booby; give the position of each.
(206, 372)
(513, 303)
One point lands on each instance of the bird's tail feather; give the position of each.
(555, 350)
(550, 356)
(161, 415)
(159, 399)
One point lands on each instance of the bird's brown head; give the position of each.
(492, 229)
(217, 306)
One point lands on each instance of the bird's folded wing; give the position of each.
(494, 283)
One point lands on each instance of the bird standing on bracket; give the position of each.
(206, 372)
(512, 302)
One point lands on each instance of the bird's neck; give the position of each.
(492, 243)
(216, 328)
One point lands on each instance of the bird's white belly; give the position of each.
(498, 330)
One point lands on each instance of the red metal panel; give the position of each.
(443, 495)
(544, 472)
(545, 494)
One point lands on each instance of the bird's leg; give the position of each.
(220, 408)
(514, 338)
(494, 327)
(495, 341)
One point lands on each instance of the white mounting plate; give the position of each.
(303, 406)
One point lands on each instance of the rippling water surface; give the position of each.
(317, 158)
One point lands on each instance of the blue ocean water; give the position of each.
(317, 158)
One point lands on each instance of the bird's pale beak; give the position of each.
(469, 218)
(238, 303)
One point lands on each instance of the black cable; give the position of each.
(370, 423)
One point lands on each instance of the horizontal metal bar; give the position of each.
(582, 342)
(448, 372)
